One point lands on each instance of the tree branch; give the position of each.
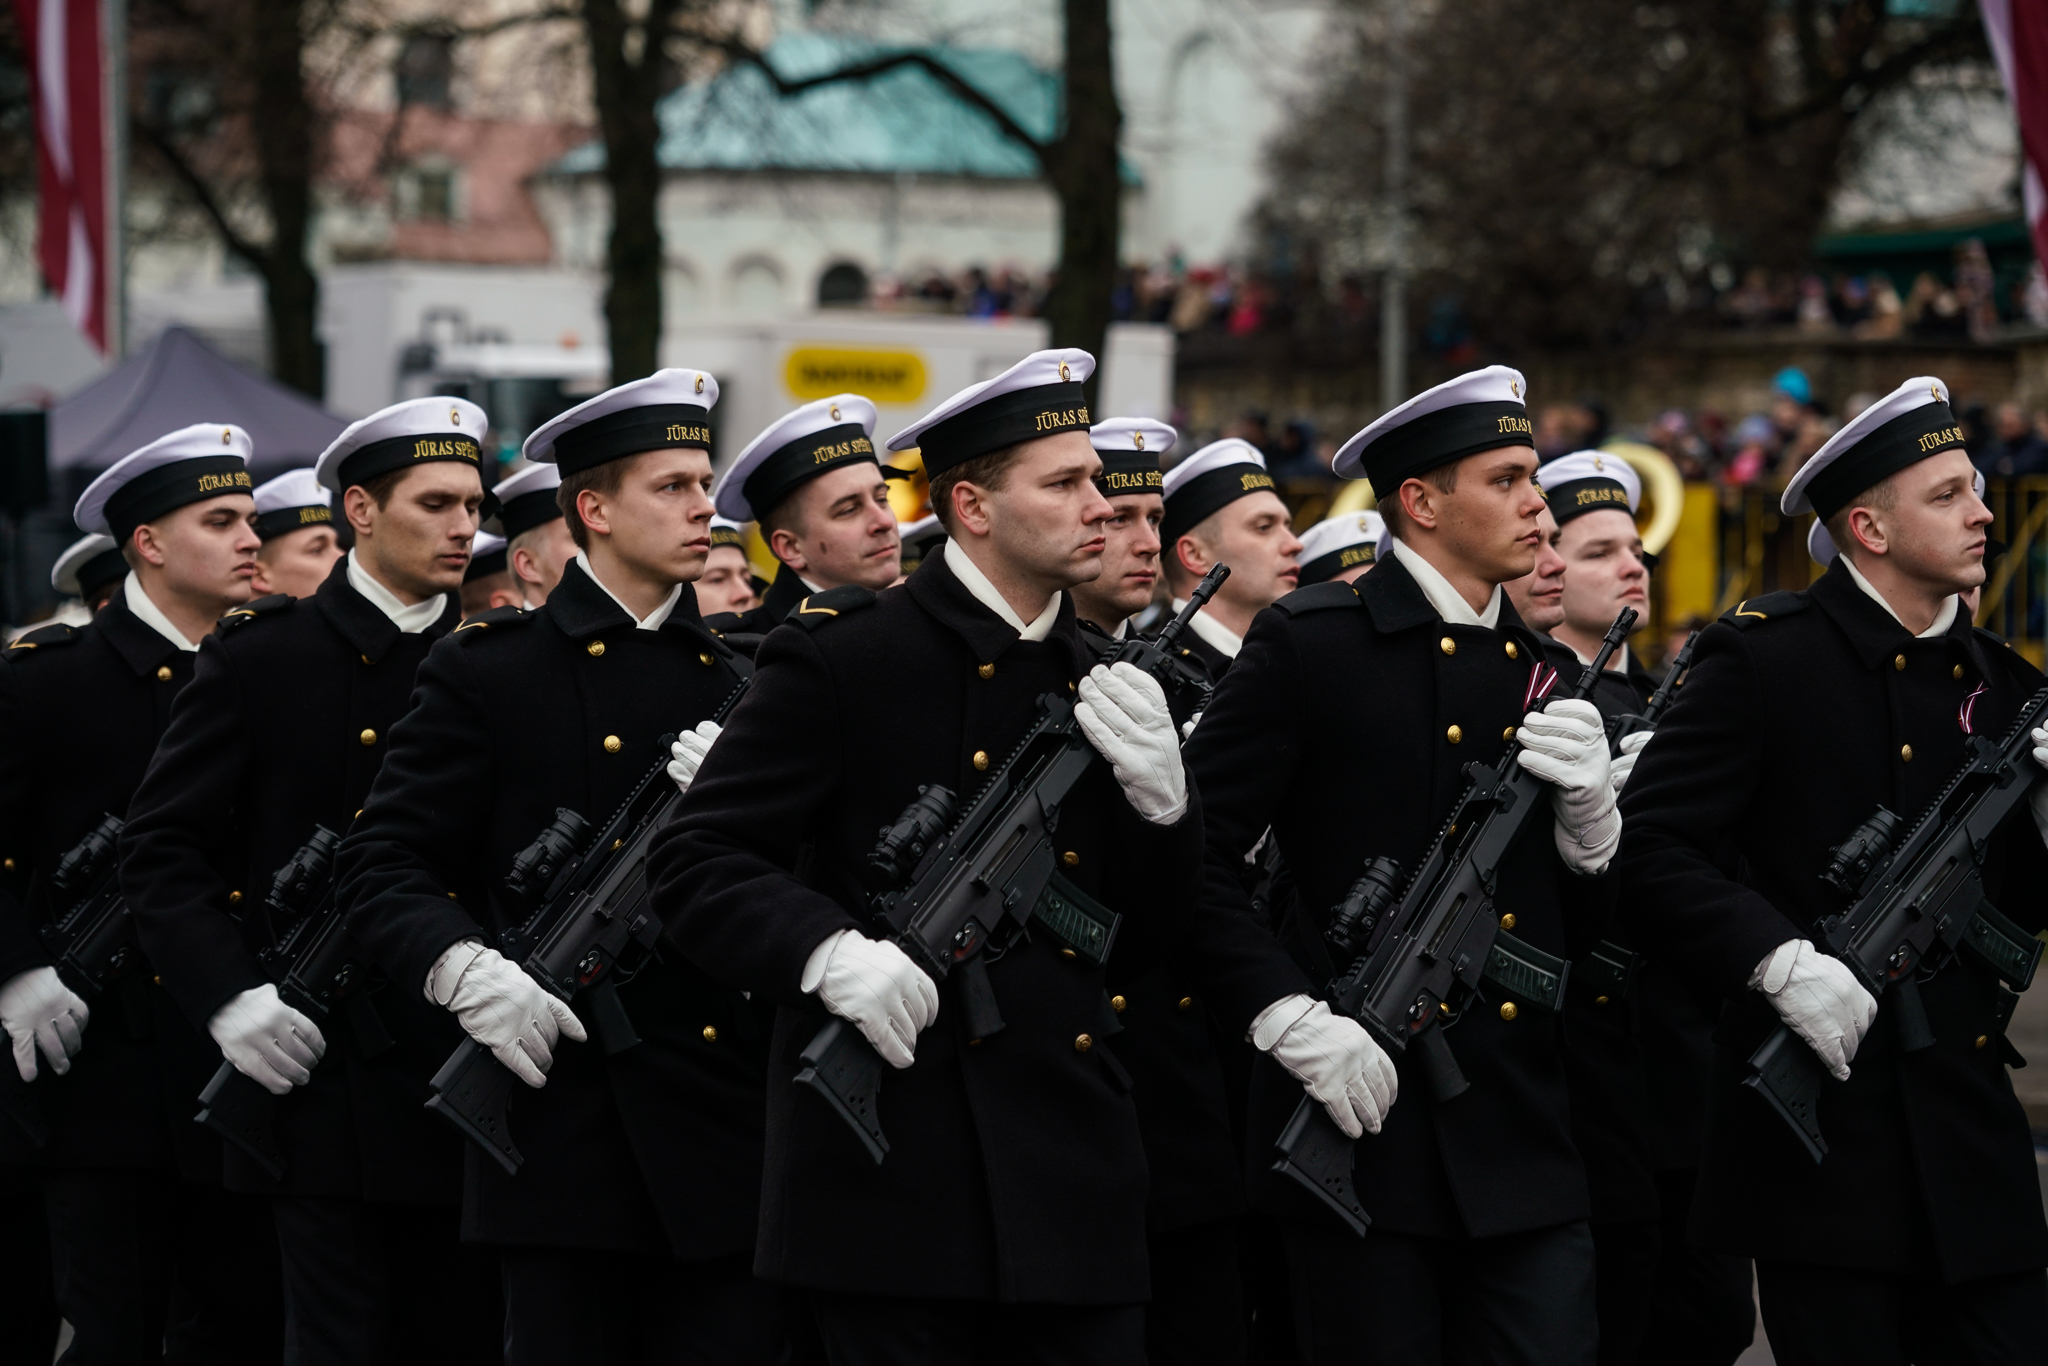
(195, 185)
(1951, 39)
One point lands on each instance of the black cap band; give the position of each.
(1326, 567)
(481, 566)
(527, 511)
(168, 487)
(275, 523)
(1208, 492)
(1129, 472)
(1002, 422)
(789, 467)
(655, 427)
(727, 535)
(365, 463)
(109, 566)
(1906, 440)
(1441, 438)
(1576, 496)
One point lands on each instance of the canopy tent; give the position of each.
(175, 381)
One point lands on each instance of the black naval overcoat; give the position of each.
(1016, 1172)
(287, 718)
(655, 1149)
(81, 711)
(784, 593)
(1344, 725)
(1605, 1041)
(1803, 712)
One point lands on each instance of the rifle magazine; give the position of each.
(2002, 946)
(1078, 921)
(1314, 1152)
(1788, 1076)
(1527, 972)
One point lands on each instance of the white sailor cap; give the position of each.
(1903, 428)
(1588, 481)
(292, 500)
(725, 531)
(414, 432)
(1336, 544)
(205, 460)
(486, 557)
(1479, 411)
(1211, 479)
(87, 563)
(797, 447)
(1038, 396)
(1821, 546)
(526, 499)
(669, 410)
(1130, 448)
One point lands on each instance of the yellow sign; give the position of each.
(884, 376)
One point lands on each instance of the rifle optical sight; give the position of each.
(1852, 861)
(902, 845)
(1351, 923)
(535, 866)
(85, 860)
(296, 886)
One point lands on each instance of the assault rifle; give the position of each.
(316, 970)
(1417, 958)
(1915, 902)
(93, 943)
(944, 891)
(591, 928)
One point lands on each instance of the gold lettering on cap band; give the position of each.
(1586, 496)
(315, 514)
(1060, 420)
(1947, 436)
(1255, 481)
(1516, 424)
(1141, 482)
(428, 448)
(679, 432)
(839, 450)
(1358, 554)
(209, 483)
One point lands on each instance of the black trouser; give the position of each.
(1196, 1316)
(870, 1330)
(566, 1305)
(1624, 1272)
(1703, 1312)
(1402, 1300)
(151, 1268)
(1823, 1315)
(28, 1305)
(370, 1283)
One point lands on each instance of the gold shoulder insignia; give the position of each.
(1760, 616)
(806, 609)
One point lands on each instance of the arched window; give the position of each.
(843, 285)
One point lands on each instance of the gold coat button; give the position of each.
(1599, 1000)
(1187, 1002)
(1899, 662)
(1117, 1003)
(986, 670)
(595, 649)
(234, 898)
(1906, 753)
(366, 659)
(1508, 1011)
(1507, 922)
(1082, 1043)
(8, 864)
(1957, 672)
(163, 673)
(158, 980)
(613, 744)
(704, 658)
(1070, 858)
(1513, 653)
(1508, 734)
(981, 761)
(1069, 955)
(1447, 645)
(1454, 734)
(1983, 1040)
(368, 737)
(453, 897)
(710, 1033)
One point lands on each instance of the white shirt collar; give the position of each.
(1123, 629)
(969, 573)
(1620, 656)
(152, 616)
(653, 620)
(1225, 640)
(1943, 619)
(409, 620)
(1450, 604)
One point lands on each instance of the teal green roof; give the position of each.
(905, 121)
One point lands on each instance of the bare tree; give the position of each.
(1588, 184)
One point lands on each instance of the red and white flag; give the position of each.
(69, 63)
(2018, 31)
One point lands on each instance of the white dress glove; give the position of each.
(1819, 999)
(2037, 800)
(874, 985)
(1566, 746)
(503, 1009)
(39, 1011)
(1187, 727)
(1624, 763)
(1340, 1065)
(1122, 711)
(268, 1042)
(688, 753)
